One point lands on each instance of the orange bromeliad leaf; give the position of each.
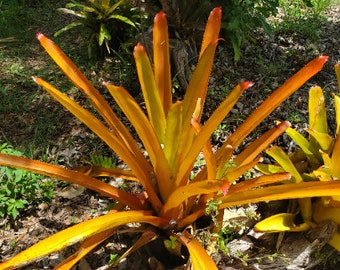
(153, 102)
(79, 232)
(173, 131)
(199, 257)
(136, 161)
(72, 176)
(99, 171)
(96, 99)
(161, 56)
(212, 28)
(282, 192)
(317, 110)
(148, 136)
(197, 188)
(198, 84)
(274, 100)
(259, 181)
(208, 128)
(256, 147)
(85, 247)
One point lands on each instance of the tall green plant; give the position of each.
(173, 137)
(242, 17)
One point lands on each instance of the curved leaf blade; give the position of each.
(71, 176)
(197, 188)
(161, 56)
(79, 232)
(200, 258)
(274, 100)
(151, 95)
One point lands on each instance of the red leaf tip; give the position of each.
(39, 35)
(160, 14)
(323, 58)
(217, 11)
(246, 85)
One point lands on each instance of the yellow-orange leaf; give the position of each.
(150, 91)
(280, 223)
(85, 247)
(94, 96)
(282, 192)
(149, 138)
(197, 188)
(161, 56)
(99, 171)
(71, 176)
(212, 28)
(274, 100)
(283, 159)
(200, 258)
(317, 110)
(79, 232)
(256, 147)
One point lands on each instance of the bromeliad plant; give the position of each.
(99, 16)
(173, 137)
(317, 159)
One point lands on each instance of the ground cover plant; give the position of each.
(19, 188)
(172, 200)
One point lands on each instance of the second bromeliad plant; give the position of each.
(173, 137)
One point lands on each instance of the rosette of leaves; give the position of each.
(104, 19)
(317, 159)
(173, 136)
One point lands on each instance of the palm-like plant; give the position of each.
(173, 137)
(99, 16)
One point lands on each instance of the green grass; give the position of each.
(303, 17)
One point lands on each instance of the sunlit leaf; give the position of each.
(149, 138)
(317, 110)
(71, 176)
(85, 247)
(199, 257)
(161, 56)
(280, 223)
(324, 140)
(283, 159)
(153, 102)
(274, 100)
(337, 72)
(197, 188)
(94, 96)
(209, 127)
(256, 147)
(337, 113)
(172, 132)
(212, 28)
(311, 152)
(79, 232)
(282, 192)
